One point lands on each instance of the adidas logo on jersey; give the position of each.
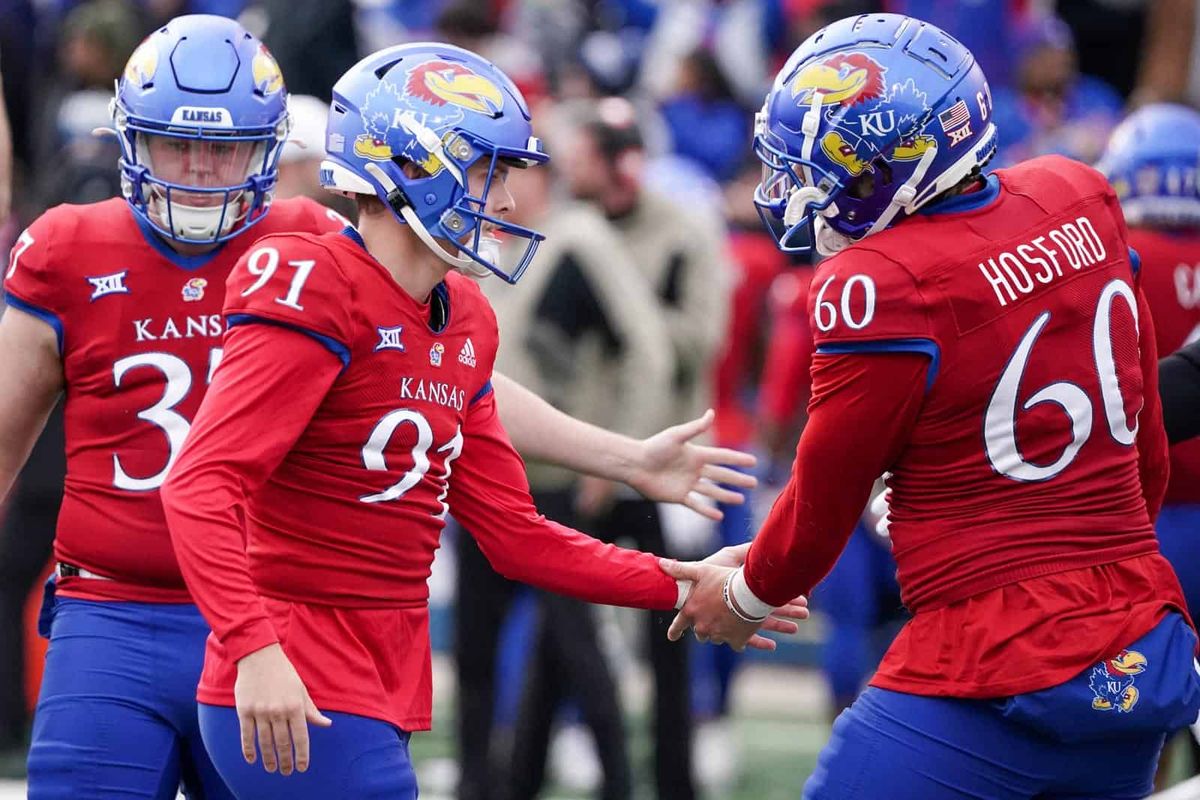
(467, 354)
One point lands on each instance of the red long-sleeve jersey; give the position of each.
(345, 420)
(998, 359)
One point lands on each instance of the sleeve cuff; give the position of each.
(746, 600)
(244, 641)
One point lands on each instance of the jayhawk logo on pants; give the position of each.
(1112, 682)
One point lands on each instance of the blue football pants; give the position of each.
(116, 717)
(355, 757)
(1069, 742)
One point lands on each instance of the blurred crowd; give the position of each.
(657, 295)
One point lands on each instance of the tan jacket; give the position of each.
(682, 253)
(581, 329)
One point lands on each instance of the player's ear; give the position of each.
(412, 170)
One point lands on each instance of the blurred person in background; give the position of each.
(74, 164)
(300, 160)
(314, 42)
(681, 256)
(580, 329)
(1138, 47)
(706, 123)
(1052, 108)
(6, 167)
(1153, 163)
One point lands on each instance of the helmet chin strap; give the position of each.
(828, 241)
(462, 263)
(906, 194)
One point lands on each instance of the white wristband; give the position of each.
(746, 599)
(684, 588)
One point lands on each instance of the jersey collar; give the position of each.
(972, 201)
(178, 259)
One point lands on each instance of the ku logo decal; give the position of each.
(843, 154)
(193, 290)
(142, 64)
(435, 94)
(267, 77)
(1112, 682)
(860, 137)
(109, 284)
(846, 79)
(389, 339)
(435, 354)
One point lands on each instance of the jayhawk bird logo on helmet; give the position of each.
(440, 83)
(844, 78)
(437, 93)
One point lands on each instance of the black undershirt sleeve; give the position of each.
(1179, 387)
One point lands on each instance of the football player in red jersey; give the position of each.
(1151, 161)
(352, 410)
(983, 338)
(119, 304)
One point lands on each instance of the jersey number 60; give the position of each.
(999, 423)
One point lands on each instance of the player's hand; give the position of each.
(706, 613)
(670, 469)
(273, 706)
(878, 517)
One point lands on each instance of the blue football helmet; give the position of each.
(442, 108)
(870, 119)
(1153, 162)
(201, 114)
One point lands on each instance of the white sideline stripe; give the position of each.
(1188, 790)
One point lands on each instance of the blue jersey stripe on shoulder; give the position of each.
(482, 393)
(48, 317)
(1135, 261)
(332, 345)
(971, 201)
(351, 233)
(926, 347)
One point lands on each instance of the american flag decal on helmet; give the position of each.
(956, 122)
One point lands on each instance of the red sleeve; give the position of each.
(240, 435)
(863, 408)
(1153, 455)
(32, 280)
(785, 383)
(489, 495)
